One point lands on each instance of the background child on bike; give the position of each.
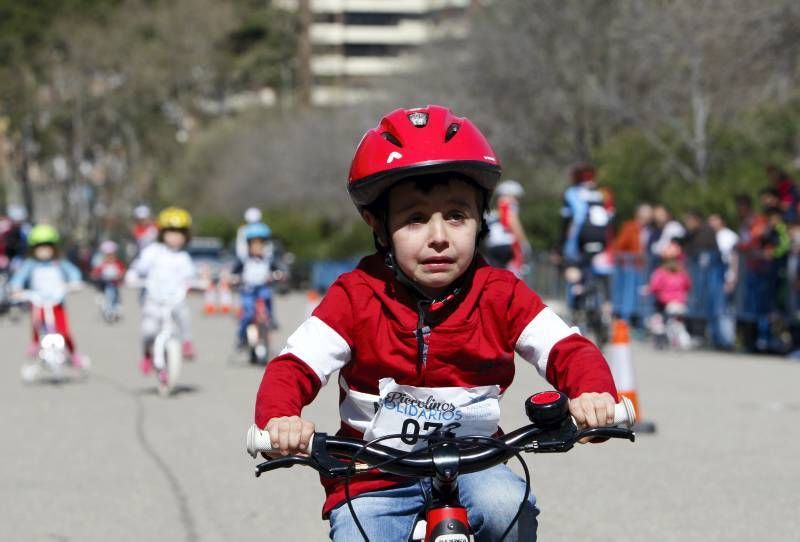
(669, 285)
(49, 278)
(109, 271)
(167, 271)
(254, 275)
(426, 311)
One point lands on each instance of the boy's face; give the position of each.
(44, 252)
(256, 247)
(174, 239)
(434, 234)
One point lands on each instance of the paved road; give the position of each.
(109, 460)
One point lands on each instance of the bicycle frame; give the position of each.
(52, 352)
(258, 332)
(166, 333)
(167, 346)
(52, 346)
(589, 303)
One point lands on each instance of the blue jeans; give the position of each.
(249, 296)
(491, 498)
(111, 294)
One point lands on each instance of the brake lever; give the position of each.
(283, 463)
(607, 432)
(325, 463)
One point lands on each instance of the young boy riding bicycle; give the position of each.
(426, 311)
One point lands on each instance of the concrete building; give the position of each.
(351, 44)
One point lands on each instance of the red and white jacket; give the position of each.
(365, 328)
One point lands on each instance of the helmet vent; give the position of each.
(451, 131)
(418, 119)
(391, 139)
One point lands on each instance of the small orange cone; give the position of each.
(210, 294)
(312, 300)
(618, 354)
(224, 294)
(210, 299)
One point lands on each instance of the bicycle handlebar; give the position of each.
(258, 440)
(475, 453)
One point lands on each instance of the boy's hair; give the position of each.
(425, 184)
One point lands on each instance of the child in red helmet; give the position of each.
(426, 311)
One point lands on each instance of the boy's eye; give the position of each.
(457, 216)
(416, 218)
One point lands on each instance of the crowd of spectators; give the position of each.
(742, 280)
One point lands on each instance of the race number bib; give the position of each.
(413, 411)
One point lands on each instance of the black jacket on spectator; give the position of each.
(701, 239)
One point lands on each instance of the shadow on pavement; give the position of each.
(180, 389)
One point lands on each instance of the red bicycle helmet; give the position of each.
(421, 141)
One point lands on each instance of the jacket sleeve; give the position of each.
(22, 276)
(140, 266)
(319, 347)
(71, 273)
(569, 361)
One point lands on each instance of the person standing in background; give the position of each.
(144, 230)
(506, 244)
(751, 226)
(786, 191)
(727, 239)
(631, 264)
(665, 230)
(705, 267)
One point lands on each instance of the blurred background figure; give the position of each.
(107, 274)
(704, 264)
(670, 286)
(49, 278)
(506, 244)
(252, 215)
(14, 235)
(631, 256)
(785, 189)
(144, 230)
(727, 240)
(585, 221)
(665, 230)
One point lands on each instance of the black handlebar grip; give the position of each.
(547, 408)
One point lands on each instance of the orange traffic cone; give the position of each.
(619, 360)
(224, 294)
(312, 300)
(210, 299)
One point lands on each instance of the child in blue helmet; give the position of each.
(254, 275)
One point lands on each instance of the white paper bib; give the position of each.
(415, 411)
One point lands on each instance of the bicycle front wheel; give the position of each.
(174, 359)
